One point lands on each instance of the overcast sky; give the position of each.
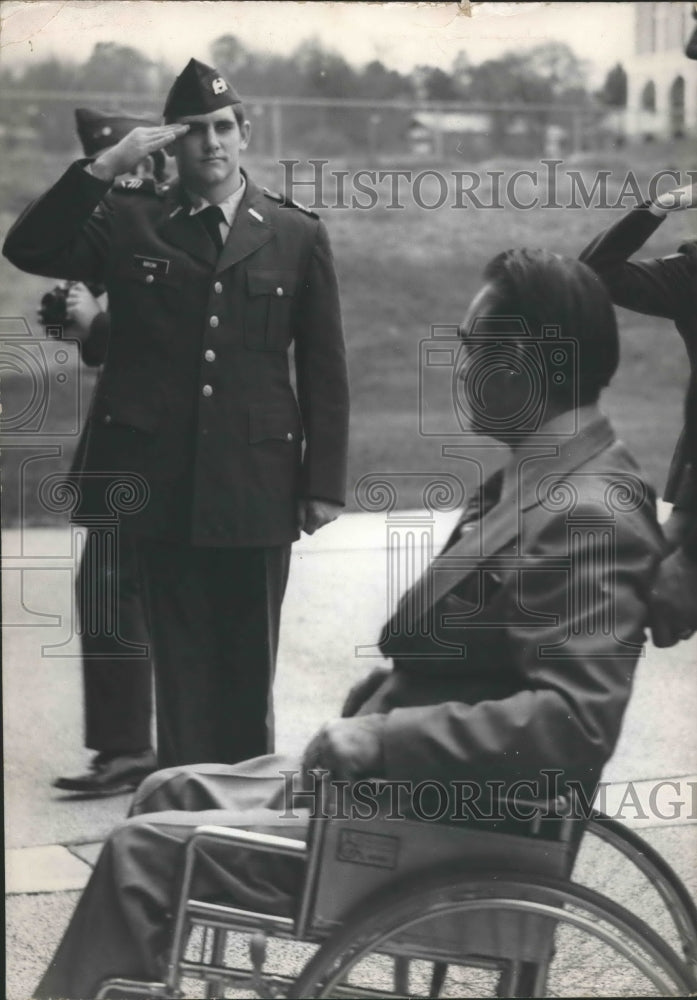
(400, 34)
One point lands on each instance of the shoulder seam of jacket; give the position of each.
(284, 200)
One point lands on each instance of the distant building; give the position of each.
(662, 82)
(436, 132)
(474, 134)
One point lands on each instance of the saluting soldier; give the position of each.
(667, 287)
(209, 283)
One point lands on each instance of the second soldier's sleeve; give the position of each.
(93, 349)
(660, 286)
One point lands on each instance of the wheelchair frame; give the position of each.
(379, 919)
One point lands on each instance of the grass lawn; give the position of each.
(401, 272)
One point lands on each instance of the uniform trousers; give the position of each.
(214, 618)
(117, 675)
(123, 922)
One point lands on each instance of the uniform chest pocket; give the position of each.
(268, 309)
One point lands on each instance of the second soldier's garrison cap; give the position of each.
(197, 90)
(97, 130)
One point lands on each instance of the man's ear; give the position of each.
(245, 134)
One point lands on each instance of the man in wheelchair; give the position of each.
(512, 656)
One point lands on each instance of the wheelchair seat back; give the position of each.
(358, 858)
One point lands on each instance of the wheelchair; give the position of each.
(416, 909)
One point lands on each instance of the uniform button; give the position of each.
(214, 321)
(279, 290)
(209, 355)
(289, 436)
(107, 418)
(218, 287)
(149, 278)
(207, 390)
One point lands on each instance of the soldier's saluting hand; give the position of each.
(140, 142)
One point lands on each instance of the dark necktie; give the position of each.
(480, 503)
(211, 217)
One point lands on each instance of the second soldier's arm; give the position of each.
(662, 286)
(93, 349)
(90, 323)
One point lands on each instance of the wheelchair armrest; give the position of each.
(266, 842)
(247, 839)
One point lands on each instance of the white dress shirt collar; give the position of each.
(228, 207)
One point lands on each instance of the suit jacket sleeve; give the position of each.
(93, 349)
(322, 379)
(65, 233)
(662, 286)
(575, 678)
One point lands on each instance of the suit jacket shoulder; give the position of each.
(608, 489)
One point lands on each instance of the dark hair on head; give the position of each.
(238, 110)
(548, 290)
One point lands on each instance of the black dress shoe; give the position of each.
(111, 774)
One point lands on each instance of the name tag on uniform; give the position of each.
(150, 265)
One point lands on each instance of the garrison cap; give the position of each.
(197, 90)
(98, 131)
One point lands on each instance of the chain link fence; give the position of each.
(314, 127)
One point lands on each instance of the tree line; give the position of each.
(550, 73)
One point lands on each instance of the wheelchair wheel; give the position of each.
(574, 941)
(657, 872)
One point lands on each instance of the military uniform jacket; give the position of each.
(514, 654)
(662, 286)
(195, 399)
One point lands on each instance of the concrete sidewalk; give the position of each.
(335, 605)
